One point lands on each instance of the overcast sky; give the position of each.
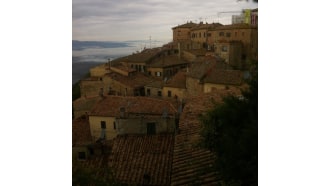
(113, 20)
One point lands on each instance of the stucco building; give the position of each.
(117, 115)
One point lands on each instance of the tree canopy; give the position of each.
(230, 130)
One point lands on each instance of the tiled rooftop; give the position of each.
(205, 65)
(197, 52)
(81, 134)
(186, 25)
(123, 67)
(177, 81)
(109, 106)
(235, 26)
(137, 159)
(228, 77)
(156, 84)
(137, 80)
(192, 164)
(85, 103)
(144, 56)
(206, 26)
(166, 61)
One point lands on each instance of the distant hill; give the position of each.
(79, 70)
(81, 45)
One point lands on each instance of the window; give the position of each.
(103, 125)
(159, 93)
(81, 155)
(114, 125)
(221, 34)
(208, 34)
(228, 34)
(149, 73)
(158, 74)
(169, 93)
(224, 48)
(204, 34)
(200, 35)
(148, 92)
(151, 128)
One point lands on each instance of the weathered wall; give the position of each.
(138, 125)
(76, 150)
(179, 92)
(98, 71)
(193, 86)
(95, 126)
(181, 34)
(152, 71)
(153, 92)
(90, 87)
(188, 56)
(119, 88)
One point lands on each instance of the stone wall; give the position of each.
(193, 86)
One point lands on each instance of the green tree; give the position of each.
(82, 176)
(230, 130)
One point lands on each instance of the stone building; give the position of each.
(117, 115)
(181, 33)
(231, 52)
(175, 87)
(211, 74)
(244, 33)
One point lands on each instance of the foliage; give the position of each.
(230, 130)
(82, 176)
(75, 91)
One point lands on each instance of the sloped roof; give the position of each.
(166, 61)
(85, 103)
(81, 134)
(138, 79)
(206, 26)
(156, 84)
(177, 81)
(134, 158)
(142, 57)
(110, 106)
(219, 76)
(234, 26)
(192, 164)
(204, 66)
(186, 25)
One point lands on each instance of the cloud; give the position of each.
(128, 20)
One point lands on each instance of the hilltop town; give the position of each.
(138, 115)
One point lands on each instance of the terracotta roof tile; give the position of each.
(166, 61)
(138, 79)
(177, 81)
(144, 56)
(81, 134)
(134, 158)
(186, 25)
(234, 26)
(228, 77)
(110, 106)
(192, 164)
(205, 65)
